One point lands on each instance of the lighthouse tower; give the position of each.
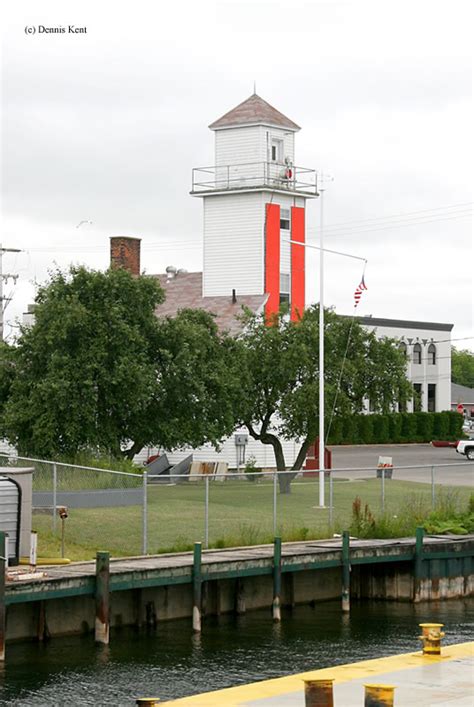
(254, 199)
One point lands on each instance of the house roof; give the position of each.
(185, 292)
(254, 110)
(401, 323)
(462, 394)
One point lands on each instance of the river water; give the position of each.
(172, 662)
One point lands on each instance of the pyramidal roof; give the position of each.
(254, 110)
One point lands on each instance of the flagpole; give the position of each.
(321, 333)
(321, 351)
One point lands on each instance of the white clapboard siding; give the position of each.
(262, 453)
(251, 144)
(239, 145)
(233, 244)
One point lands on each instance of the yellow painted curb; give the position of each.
(366, 669)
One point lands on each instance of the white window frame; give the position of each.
(277, 143)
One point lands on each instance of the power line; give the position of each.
(376, 229)
(404, 214)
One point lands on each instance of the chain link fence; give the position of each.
(133, 513)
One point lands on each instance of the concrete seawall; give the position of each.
(146, 590)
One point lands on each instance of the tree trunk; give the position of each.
(136, 448)
(300, 459)
(284, 480)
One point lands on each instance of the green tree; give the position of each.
(279, 367)
(99, 371)
(462, 367)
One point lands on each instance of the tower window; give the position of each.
(284, 288)
(276, 151)
(285, 219)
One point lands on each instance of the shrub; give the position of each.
(455, 425)
(365, 429)
(441, 423)
(335, 432)
(381, 428)
(349, 430)
(424, 426)
(251, 469)
(395, 427)
(408, 431)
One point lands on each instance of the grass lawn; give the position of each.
(240, 513)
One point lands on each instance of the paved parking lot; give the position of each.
(460, 474)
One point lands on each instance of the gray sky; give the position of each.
(107, 126)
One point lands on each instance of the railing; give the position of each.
(254, 175)
(129, 514)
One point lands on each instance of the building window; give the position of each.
(277, 151)
(431, 397)
(285, 219)
(402, 347)
(417, 353)
(431, 355)
(418, 392)
(284, 288)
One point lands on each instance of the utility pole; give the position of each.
(4, 277)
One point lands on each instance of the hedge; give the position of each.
(396, 427)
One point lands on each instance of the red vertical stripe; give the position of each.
(297, 263)
(272, 258)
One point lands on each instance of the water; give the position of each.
(172, 662)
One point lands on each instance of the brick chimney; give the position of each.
(125, 253)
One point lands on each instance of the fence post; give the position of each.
(331, 501)
(197, 588)
(3, 564)
(145, 515)
(346, 572)
(383, 489)
(55, 495)
(433, 498)
(206, 514)
(275, 480)
(418, 564)
(102, 609)
(276, 606)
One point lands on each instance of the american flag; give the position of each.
(358, 292)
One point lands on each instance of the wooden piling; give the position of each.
(197, 588)
(102, 597)
(239, 596)
(276, 606)
(346, 572)
(418, 564)
(3, 555)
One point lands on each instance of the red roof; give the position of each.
(251, 111)
(185, 292)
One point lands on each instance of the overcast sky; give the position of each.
(107, 126)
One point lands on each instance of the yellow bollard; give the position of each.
(318, 693)
(147, 701)
(379, 695)
(431, 638)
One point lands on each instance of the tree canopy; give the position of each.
(462, 367)
(99, 371)
(280, 377)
